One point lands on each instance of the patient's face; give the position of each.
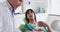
(30, 15)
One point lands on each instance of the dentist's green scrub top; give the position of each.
(31, 27)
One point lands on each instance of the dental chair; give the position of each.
(21, 27)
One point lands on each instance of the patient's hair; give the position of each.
(27, 13)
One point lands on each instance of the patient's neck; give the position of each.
(32, 21)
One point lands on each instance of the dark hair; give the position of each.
(27, 13)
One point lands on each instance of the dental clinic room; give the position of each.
(29, 15)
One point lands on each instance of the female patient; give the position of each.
(31, 19)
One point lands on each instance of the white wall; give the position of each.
(55, 7)
(34, 4)
(3, 0)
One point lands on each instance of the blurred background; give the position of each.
(46, 10)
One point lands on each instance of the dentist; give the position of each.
(7, 15)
